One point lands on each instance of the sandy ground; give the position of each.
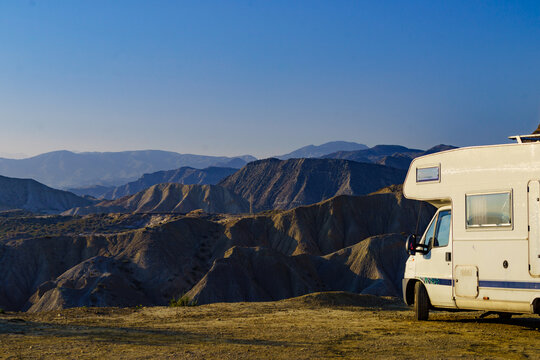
(317, 326)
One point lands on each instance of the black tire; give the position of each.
(421, 302)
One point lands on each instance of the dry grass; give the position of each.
(325, 325)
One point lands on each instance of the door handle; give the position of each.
(448, 256)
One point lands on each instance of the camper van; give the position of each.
(481, 250)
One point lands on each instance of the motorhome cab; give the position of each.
(481, 251)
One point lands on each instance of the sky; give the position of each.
(264, 77)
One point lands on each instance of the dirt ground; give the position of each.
(325, 325)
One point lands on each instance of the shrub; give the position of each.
(2, 311)
(184, 300)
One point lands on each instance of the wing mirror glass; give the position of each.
(410, 245)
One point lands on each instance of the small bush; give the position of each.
(184, 300)
(2, 311)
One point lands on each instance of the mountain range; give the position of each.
(171, 198)
(285, 184)
(315, 151)
(390, 155)
(184, 175)
(65, 169)
(265, 184)
(96, 174)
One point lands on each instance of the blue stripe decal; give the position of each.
(486, 283)
(509, 284)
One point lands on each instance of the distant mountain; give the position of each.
(96, 191)
(184, 175)
(439, 148)
(28, 194)
(396, 156)
(315, 151)
(285, 184)
(171, 198)
(65, 169)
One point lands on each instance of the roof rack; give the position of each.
(525, 138)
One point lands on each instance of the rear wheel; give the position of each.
(421, 301)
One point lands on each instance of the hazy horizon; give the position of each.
(264, 79)
(18, 156)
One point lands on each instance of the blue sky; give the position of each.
(265, 77)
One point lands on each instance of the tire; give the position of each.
(421, 302)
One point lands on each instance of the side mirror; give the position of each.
(410, 245)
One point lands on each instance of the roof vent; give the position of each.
(525, 138)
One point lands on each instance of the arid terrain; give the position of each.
(315, 326)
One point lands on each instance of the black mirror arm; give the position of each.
(423, 249)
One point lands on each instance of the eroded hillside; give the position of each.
(285, 184)
(123, 260)
(28, 194)
(171, 198)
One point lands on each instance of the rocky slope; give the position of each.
(65, 169)
(148, 259)
(373, 266)
(395, 156)
(30, 195)
(277, 184)
(171, 198)
(184, 175)
(314, 151)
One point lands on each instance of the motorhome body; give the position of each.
(482, 249)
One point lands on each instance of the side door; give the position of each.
(435, 267)
(534, 227)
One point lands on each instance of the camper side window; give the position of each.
(489, 210)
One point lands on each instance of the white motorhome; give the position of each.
(481, 251)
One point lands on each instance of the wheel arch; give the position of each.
(536, 306)
(409, 291)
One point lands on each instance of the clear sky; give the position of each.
(265, 77)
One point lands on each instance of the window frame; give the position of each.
(491, 227)
(438, 224)
(435, 221)
(438, 180)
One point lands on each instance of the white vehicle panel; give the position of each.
(495, 263)
(466, 281)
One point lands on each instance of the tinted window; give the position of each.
(443, 229)
(427, 174)
(489, 210)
